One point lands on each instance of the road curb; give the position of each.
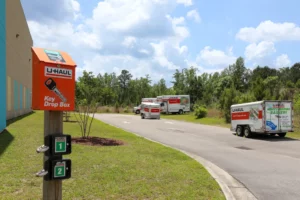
(231, 188)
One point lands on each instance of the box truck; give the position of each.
(262, 117)
(150, 110)
(174, 103)
(137, 109)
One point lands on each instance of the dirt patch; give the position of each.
(97, 141)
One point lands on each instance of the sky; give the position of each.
(156, 37)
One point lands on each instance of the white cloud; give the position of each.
(193, 14)
(282, 61)
(202, 69)
(260, 50)
(160, 57)
(140, 36)
(115, 63)
(129, 41)
(215, 58)
(63, 35)
(144, 51)
(270, 31)
(185, 2)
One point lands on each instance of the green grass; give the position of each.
(295, 135)
(138, 170)
(214, 121)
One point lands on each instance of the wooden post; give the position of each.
(53, 124)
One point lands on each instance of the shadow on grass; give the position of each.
(5, 139)
(11, 121)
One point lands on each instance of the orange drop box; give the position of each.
(53, 80)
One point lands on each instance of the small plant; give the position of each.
(200, 112)
(107, 110)
(117, 107)
(126, 110)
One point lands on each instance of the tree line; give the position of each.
(235, 84)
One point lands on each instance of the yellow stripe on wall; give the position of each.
(9, 94)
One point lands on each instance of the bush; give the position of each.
(107, 110)
(126, 110)
(117, 107)
(200, 112)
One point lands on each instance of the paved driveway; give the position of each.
(268, 166)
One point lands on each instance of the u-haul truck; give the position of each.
(262, 117)
(150, 110)
(174, 103)
(137, 109)
(152, 100)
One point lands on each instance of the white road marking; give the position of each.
(167, 122)
(126, 122)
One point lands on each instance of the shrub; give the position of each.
(107, 110)
(200, 112)
(117, 107)
(126, 110)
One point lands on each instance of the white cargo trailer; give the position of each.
(137, 109)
(262, 117)
(150, 110)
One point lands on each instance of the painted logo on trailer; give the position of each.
(237, 110)
(271, 125)
(58, 72)
(155, 110)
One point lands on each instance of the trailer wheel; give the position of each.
(180, 112)
(247, 132)
(281, 134)
(137, 112)
(239, 131)
(142, 116)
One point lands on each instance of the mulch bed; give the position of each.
(97, 141)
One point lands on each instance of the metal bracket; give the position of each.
(41, 173)
(42, 149)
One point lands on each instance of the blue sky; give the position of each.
(158, 36)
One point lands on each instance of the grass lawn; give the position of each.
(138, 170)
(215, 121)
(295, 135)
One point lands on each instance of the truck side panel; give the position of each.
(251, 115)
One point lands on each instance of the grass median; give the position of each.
(140, 169)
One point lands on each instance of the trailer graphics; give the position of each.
(249, 113)
(174, 103)
(263, 117)
(137, 109)
(150, 110)
(278, 115)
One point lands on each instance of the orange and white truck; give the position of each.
(174, 103)
(262, 117)
(137, 109)
(150, 110)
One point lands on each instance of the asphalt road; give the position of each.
(268, 166)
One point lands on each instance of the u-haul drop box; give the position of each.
(53, 80)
